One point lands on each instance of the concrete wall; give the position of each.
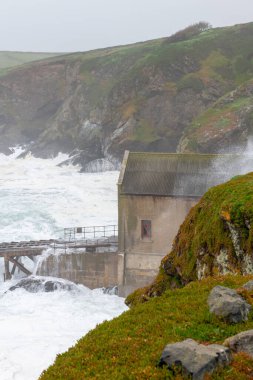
(140, 258)
(94, 270)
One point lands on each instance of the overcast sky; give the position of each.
(79, 25)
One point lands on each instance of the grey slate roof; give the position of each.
(166, 174)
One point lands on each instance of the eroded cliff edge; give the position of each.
(148, 96)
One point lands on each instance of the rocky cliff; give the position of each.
(215, 239)
(192, 93)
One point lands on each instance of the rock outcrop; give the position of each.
(193, 359)
(242, 342)
(248, 285)
(35, 284)
(228, 305)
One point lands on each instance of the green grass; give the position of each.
(217, 53)
(11, 59)
(129, 347)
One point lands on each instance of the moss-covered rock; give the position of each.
(215, 238)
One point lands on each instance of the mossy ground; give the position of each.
(129, 347)
(205, 229)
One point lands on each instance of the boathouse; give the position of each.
(155, 193)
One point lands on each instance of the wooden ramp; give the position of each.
(88, 239)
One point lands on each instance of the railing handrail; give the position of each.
(94, 231)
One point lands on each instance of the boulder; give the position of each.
(248, 285)
(194, 359)
(242, 342)
(111, 290)
(227, 304)
(35, 284)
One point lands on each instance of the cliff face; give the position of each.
(215, 239)
(226, 125)
(147, 96)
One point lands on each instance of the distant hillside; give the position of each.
(14, 58)
(188, 92)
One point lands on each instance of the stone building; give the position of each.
(155, 193)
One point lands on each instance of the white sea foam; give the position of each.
(34, 328)
(37, 200)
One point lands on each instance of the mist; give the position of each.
(81, 25)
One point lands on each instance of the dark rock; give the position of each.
(195, 360)
(36, 284)
(248, 285)
(112, 290)
(242, 342)
(228, 305)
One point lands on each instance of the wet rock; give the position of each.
(36, 284)
(112, 290)
(248, 285)
(242, 342)
(228, 305)
(195, 360)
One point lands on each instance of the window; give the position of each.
(146, 229)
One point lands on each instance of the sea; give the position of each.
(38, 199)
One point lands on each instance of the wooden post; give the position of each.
(20, 266)
(14, 267)
(7, 269)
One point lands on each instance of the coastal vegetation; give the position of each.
(130, 346)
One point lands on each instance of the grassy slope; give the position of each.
(129, 347)
(214, 55)
(13, 58)
(216, 58)
(218, 55)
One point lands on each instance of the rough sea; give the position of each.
(38, 199)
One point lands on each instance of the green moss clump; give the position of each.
(190, 81)
(205, 231)
(129, 347)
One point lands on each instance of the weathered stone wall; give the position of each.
(94, 270)
(140, 258)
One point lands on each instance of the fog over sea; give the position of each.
(37, 200)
